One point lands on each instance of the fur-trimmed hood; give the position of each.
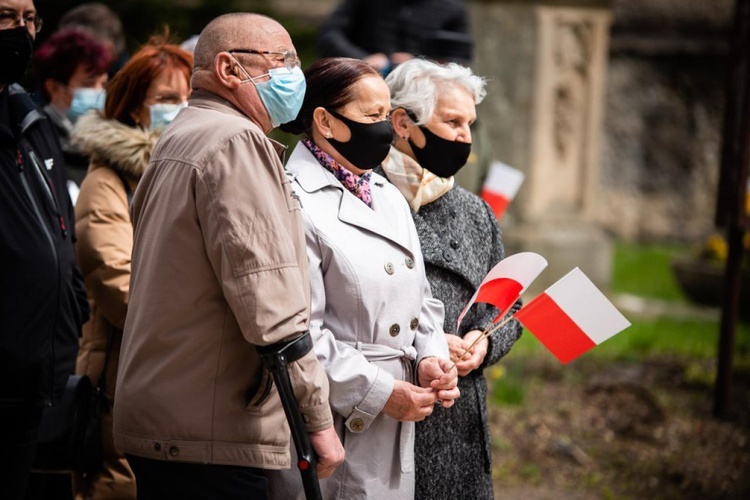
(114, 144)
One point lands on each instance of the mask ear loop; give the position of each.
(249, 78)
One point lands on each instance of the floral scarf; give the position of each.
(359, 186)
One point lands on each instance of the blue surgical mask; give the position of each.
(84, 100)
(162, 114)
(282, 94)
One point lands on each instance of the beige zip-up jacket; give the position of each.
(219, 266)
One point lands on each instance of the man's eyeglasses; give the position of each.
(291, 60)
(10, 20)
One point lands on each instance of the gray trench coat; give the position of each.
(373, 319)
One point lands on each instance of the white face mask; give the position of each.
(162, 114)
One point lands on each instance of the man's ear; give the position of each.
(226, 70)
(401, 123)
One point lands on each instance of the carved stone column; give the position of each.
(546, 63)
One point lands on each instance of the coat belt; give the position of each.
(408, 354)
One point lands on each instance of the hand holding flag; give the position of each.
(569, 318)
(502, 286)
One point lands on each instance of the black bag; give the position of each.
(70, 434)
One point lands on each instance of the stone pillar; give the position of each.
(545, 63)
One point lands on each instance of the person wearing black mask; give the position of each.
(42, 299)
(376, 328)
(433, 107)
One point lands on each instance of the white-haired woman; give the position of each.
(433, 107)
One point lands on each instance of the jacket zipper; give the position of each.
(45, 229)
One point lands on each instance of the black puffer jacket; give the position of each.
(42, 299)
(358, 28)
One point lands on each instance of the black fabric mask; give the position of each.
(440, 156)
(368, 144)
(15, 46)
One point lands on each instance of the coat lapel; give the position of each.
(312, 176)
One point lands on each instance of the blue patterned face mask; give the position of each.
(162, 114)
(84, 100)
(282, 94)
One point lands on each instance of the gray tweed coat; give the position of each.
(461, 242)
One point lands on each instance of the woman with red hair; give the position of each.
(142, 98)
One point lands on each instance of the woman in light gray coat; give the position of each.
(433, 107)
(377, 330)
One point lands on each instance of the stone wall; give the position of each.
(663, 117)
(665, 78)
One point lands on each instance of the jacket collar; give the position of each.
(208, 100)
(22, 112)
(305, 169)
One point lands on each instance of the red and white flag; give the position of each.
(506, 282)
(501, 186)
(571, 317)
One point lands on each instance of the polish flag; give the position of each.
(501, 186)
(506, 282)
(571, 317)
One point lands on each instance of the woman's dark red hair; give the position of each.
(61, 54)
(126, 92)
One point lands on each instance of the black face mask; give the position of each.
(368, 144)
(440, 156)
(16, 47)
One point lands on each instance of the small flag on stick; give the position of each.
(571, 317)
(506, 282)
(501, 186)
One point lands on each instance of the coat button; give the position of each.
(414, 323)
(453, 212)
(395, 329)
(455, 244)
(357, 425)
(389, 268)
(157, 446)
(447, 255)
(306, 418)
(174, 451)
(410, 263)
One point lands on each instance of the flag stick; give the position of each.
(486, 333)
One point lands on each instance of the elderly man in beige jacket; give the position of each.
(219, 268)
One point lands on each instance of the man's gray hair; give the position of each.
(416, 83)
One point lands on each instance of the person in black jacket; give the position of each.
(388, 32)
(42, 299)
